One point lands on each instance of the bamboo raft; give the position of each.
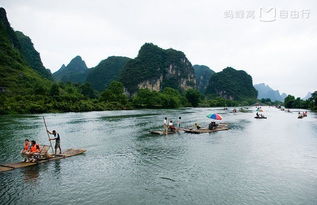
(162, 132)
(220, 127)
(260, 117)
(67, 153)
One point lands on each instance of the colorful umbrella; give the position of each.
(214, 116)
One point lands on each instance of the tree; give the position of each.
(87, 91)
(146, 98)
(312, 101)
(168, 98)
(266, 101)
(114, 93)
(54, 91)
(193, 97)
(298, 103)
(314, 98)
(171, 98)
(289, 101)
(39, 89)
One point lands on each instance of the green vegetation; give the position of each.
(202, 74)
(106, 71)
(76, 71)
(292, 102)
(222, 102)
(25, 86)
(24, 90)
(231, 84)
(156, 64)
(168, 98)
(193, 97)
(17, 78)
(312, 101)
(31, 56)
(268, 101)
(115, 94)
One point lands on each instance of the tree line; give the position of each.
(292, 102)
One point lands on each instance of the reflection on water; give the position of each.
(31, 173)
(271, 161)
(242, 124)
(57, 168)
(129, 116)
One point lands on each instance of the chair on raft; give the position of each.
(44, 152)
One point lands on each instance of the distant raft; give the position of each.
(260, 117)
(162, 132)
(220, 127)
(67, 153)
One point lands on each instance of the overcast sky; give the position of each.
(275, 42)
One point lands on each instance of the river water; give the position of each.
(271, 161)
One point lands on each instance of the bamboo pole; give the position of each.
(48, 135)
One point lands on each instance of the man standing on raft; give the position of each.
(57, 140)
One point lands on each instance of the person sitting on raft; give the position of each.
(35, 151)
(25, 152)
(212, 125)
(171, 126)
(197, 126)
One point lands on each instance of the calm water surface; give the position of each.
(271, 161)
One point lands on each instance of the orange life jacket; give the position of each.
(26, 147)
(34, 149)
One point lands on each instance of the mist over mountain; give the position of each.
(307, 96)
(265, 91)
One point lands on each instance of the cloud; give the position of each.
(280, 53)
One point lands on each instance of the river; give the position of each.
(271, 161)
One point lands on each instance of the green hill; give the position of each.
(231, 84)
(24, 90)
(202, 74)
(155, 68)
(17, 77)
(31, 56)
(76, 71)
(106, 71)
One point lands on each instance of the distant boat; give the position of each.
(260, 117)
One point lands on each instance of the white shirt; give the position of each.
(165, 122)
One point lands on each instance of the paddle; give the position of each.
(48, 135)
